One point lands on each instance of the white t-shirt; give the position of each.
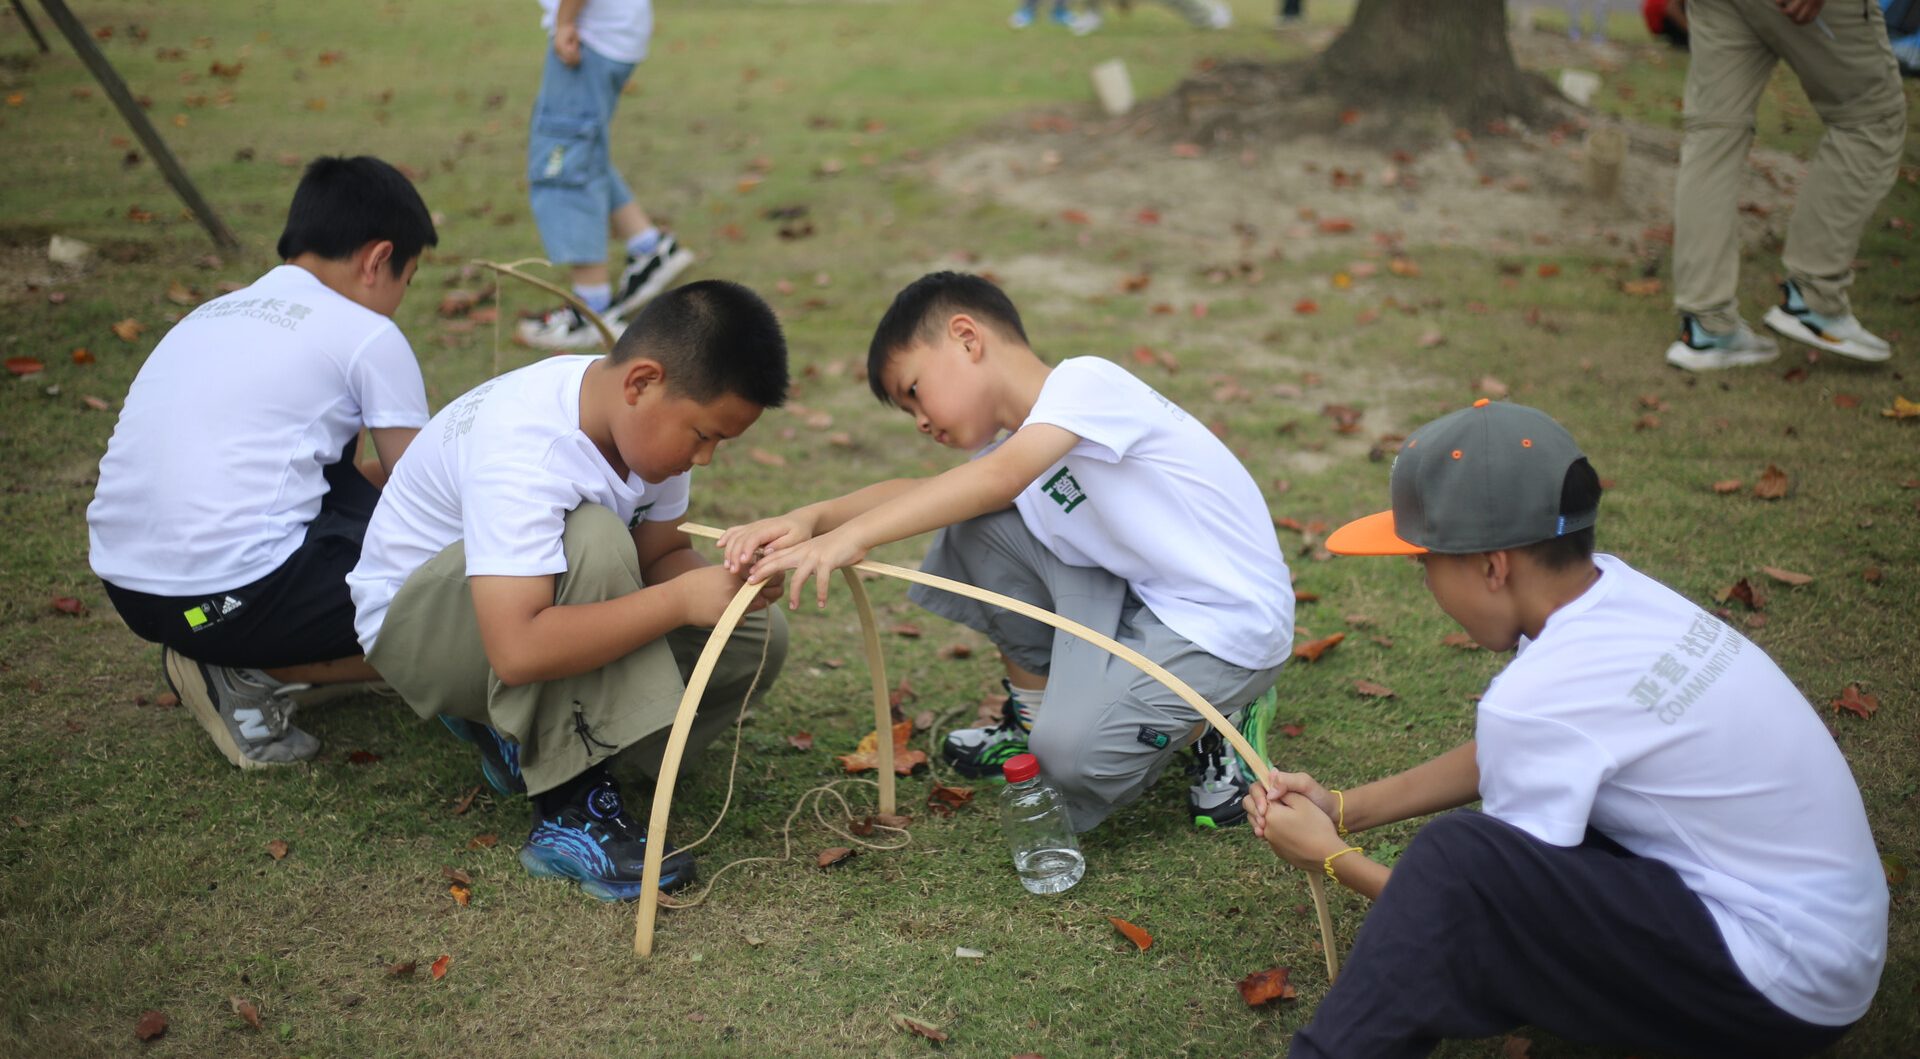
(1640, 714)
(215, 467)
(499, 468)
(1151, 496)
(617, 29)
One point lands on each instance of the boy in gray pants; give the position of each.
(1105, 503)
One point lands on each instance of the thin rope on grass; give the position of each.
(814, 796)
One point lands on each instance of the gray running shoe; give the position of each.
(245, 712)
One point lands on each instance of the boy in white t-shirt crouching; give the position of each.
(524, 579)
(1104, 502)
(229, 507)
(1670, 855)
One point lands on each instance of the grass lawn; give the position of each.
(134, 865)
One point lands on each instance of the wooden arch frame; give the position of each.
(883, 717)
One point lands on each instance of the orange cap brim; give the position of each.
(1373, 535)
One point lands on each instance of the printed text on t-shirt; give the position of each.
(1673, 683)
(1063, 490)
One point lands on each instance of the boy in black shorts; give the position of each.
(229, 508)
(1670, 855)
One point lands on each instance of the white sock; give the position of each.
(598, 296)
(645, 243)
(1026, 701)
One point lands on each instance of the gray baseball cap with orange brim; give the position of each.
(1481, 479)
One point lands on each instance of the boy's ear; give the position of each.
(372, 259)
(639, 374)
(967, 331)
(1496, 568)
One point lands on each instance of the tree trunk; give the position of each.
(1447, 53)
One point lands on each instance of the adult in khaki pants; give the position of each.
(1841, 56)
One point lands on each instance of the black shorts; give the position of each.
(298, 614)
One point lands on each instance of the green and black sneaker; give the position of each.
(978, 753)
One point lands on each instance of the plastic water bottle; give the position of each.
(1034, 816)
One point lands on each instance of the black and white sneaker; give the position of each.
(563, 328)
(978, 753)
(1213, 799)
(649, 274)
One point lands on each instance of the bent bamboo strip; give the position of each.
(606, 333)
(649, 896)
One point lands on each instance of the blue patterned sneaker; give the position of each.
(1060, 16)
(978, 753)
(1835, 334)
(499, 756)
(1021, 18)
(592, 840)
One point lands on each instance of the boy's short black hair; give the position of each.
(342, 204)
(712, 337)
(1579, 495)
(928, 303)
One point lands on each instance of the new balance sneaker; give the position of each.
(978, 753)
(647, 275)
(244, 710)
(1698, 349)
(593, 841)
(1835, 334)
(499, 756)
(564, 328)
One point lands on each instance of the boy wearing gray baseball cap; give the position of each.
(1670, 853)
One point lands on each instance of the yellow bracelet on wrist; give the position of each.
(1327, 864)
(1340, 821)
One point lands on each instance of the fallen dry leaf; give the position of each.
(833, 855)
(180, 294)
(1647, 422)
(362, 757)
(1846, 400)
(278, 849)
(1516, 1048)
(439, 968)
(1460, 640)
(897, 821)
(1901, 409)
(867, 754)
(400, 970)
(484, 840)
(461, 894)
(801, 740)
(1871, 575)
(129, 329)
(1139, 937)
(907, 630)
(1293, 731)
(1642, 288)
(943, 800)
(1772, 484)
(1743, 591)
(70, 605)
(1728, 485)
(81, 355)
(1312, 650)
(1856, 702)
(152, 1024)
(453, 874)
(465, 801)
(915, 1026)
(245, 1009)
(25, 365)
(1372, 690)
(98, 404)
(1306, 307)
(1265, 987)
(1490, 386)
(766, 458)
(1786, 577)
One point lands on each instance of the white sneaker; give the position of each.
(645, 277)
(1084, 22)
(1219, 15)
(1842, 335)
(564, 328)
(1698, 349)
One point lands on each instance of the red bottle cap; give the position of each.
(1021, 767)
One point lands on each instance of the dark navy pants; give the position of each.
(1484, 928)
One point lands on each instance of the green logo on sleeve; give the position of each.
(1064, 490)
